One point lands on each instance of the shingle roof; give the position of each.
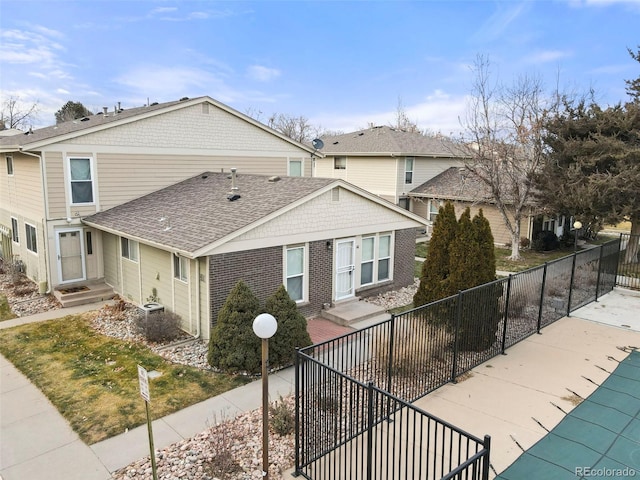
(387, 140)
(198, 212)
(455, 183)
(73, 126)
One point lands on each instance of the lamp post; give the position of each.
(265, 326)
(577, 225)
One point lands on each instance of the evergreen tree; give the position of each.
(292, 328)
(435, 269)
(233, 346)
(464, 257)
(486, 248)
(72, 111)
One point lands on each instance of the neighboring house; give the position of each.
(386, 161)
(464, 189)
(52, 178)
(326, 240)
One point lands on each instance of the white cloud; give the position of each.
(262, 74)
(499, 21)
(546, 56)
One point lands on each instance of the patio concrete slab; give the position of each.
(504, 395)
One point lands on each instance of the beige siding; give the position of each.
(374, 174)
(148, 173)
(205, 311)
(424, 169)
(321, 218)
(92, 261)
(111, 255)
(181, 301)
(55, 185)
(22, 191)
(155, 269)
(130, 279)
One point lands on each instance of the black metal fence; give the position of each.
(629, 265)
(354, 419)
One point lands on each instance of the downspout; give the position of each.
(44, 220)
(198, 313)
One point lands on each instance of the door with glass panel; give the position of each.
(345, 267)
(70, 255)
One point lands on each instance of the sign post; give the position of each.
(143, 379)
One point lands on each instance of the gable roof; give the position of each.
(455, 183)
(192, 215)
(38, 138)
(383, 140)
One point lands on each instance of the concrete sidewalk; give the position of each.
(501, 398)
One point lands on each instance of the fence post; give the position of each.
(506, 314)
(487, 460)
(297, 413)
(599, 271)
(455, 339)
(370, 431)
(544, 281)
(392, 325)
(573, 273)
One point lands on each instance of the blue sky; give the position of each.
(340, 64)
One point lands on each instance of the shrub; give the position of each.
(292, 328)
(233, 346)
(546, 241)
(283, 418)
(159, 326)
(525, 242)
(220, 458)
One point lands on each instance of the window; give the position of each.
(339, 163)
(404, 203)
(295, 168)
(408, 170)
(81, 180)
(434, 208)
(89, 242)
(9, 165)
(294, 272)
(180, 265)
(384, 257)
(129, 249)
(14, 230)
(366, 266)
(375, 261)
(32, 239)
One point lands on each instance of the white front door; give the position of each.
(345, 269)
(70, 251)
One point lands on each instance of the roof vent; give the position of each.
(336, 142)
(233, 197)
(154, 104)
(184, 98)
(85, 119)
(105, 110)
(274, 179)
(234, 187)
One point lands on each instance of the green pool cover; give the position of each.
(599, 439)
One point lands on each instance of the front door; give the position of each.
(345, 269)
(70, 255)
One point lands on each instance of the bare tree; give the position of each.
(17, 114)
(503, 141)
(296, 128)
(402, 120)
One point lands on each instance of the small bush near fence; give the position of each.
(159, 326)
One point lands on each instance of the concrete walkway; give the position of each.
(501, 398)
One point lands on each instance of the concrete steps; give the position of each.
(83, 294)
(354, 312)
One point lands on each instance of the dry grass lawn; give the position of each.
(93, 379)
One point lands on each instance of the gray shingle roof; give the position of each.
(387, 140)
(198, 211)
(454, 184)
(79, 125)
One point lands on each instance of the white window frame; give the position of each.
(9, 159)
(132, 250)
(296, 160)
(375, 261)
(408, 171)
(431, 216)
(304, 274)
(15, 234)
(31, 243)
(91, 179)
(180, 268)
(342, 165)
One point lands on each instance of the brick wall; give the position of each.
(260, 269)
(403, 266)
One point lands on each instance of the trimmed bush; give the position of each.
(159, 326)
(546, 241)
(292, 328)
(233, 347)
